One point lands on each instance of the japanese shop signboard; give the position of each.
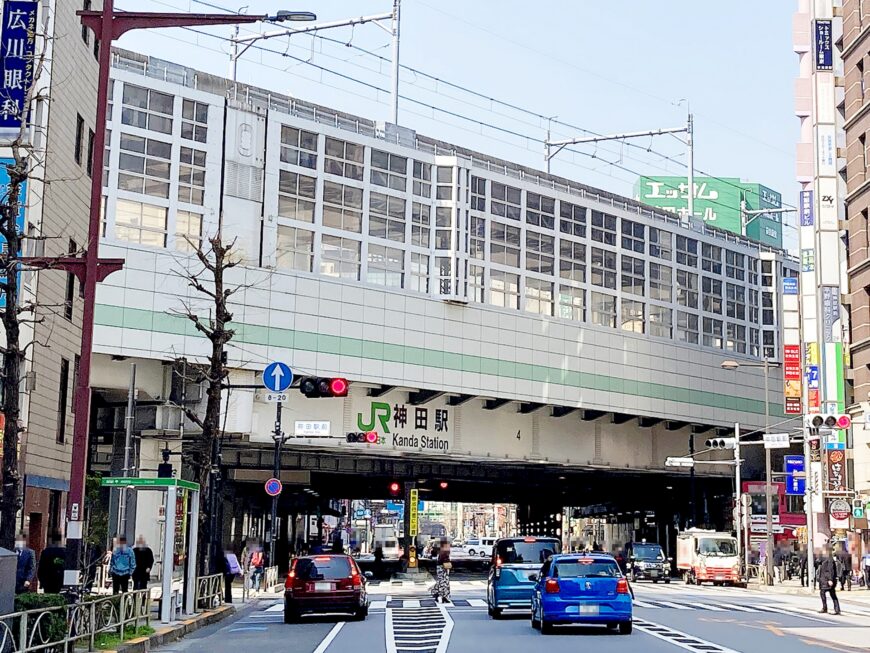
(17, 56)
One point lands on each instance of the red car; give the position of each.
(325, 584)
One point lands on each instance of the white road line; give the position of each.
(676, 606)
(644, 604)
(275, 608)
(707, 606)
(477, 603)
(389, 638)
(738, 608)
(329, 637)
(411, 603)
(667, 636)
(448, 630)
(378, 605)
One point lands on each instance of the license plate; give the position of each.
(588, 609)
(322, 587)
(720, 577)
(653, 573)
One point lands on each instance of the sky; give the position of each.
(612, 67)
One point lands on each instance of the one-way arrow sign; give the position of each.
(277, 377)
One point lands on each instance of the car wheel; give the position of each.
(483, 554)
(546, 626)
(291, 616)
(667, 581)
(361, 613)
(612, 626)
(625, 628)
(472, 552)
(655, 581)
(535, 623)
(495, 613)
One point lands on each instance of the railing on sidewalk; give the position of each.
(209, 591)
(268, 581)
(270, 578)
(65, 627)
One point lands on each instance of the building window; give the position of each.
(862, 142)
(298, 147)
(344, 159)
(753, 306)
(62, 396)
(660, 243)
(444, 187)
(603, 309)
(711, 258)
(712, 295)
(296, 195)
(386, 266)
(687, 327)
(389, 170)
(572, 260)
(136, 222)
(571, 304)
(752, 266)
(767, 308)
(342, 207)
(735, 301)
(191, 177)
(735, 264)
(422, 179)
(478, 194)
(70, 285)
(504, 245)
(80, 139)
(477, 242)
(735, 338)
(572, 219)
(420, 224)
(603, 269)
(603, 228)
(539, 296)
(687, 289)
(340, 257)
(387, 217)
(754, 348)
(443, 227)
(89, 168)
(660, 321)
(687, 251)
(633, 275)
(632, 236)
(540, 211)
(504, 289)
(147, 109)
(86, 33)
(660, 282)
(443, 268)
(767, 273)
(712, 333)
(419, 278)
(294, 249)
(475, 283)
(188, 231)
(769, 344)
(144, 165)
(539, 252)
(506, 201)
(632, 316)
(194, 121)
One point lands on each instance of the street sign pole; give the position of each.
(808, 508)
(738, 489)
(277, 377)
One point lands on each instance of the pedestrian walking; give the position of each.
(233, 569)
(802, 561)
(26, 568)
(865, 568)
(442, 574)
(51, 566)
(258, 562)
(144, 561)
(845, 560)
(121, 566)
(828, 576)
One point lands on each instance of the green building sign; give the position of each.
(718, 203)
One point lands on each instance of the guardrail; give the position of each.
(209, 591)
(270, 578)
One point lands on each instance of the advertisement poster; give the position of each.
(837, 470)
(807, 210)
(824, 45)
(792, 379)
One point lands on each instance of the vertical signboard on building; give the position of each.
(16, 62)
(824, 45)
(807, 209)
(792, 363)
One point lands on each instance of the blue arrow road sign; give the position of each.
(793, 485)
(277, 377)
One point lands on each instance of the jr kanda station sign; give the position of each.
(403, 426)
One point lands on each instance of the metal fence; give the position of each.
(209, 591)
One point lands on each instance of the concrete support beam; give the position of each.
(620, 418)
(492, 404)
(381, 390)
(526, 408)
(561, 411)
(458, 400)
(423, 397)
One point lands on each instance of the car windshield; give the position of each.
(648, 552)
(587, 567)
(322, 568)
(717, 547)
(529, 550)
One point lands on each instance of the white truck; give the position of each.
(709, 556)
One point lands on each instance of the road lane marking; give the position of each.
(448, 630)
(238, 630)
(679, 638)
(477, 603)
(676, 606)
(738, 608)
(329, 637)
(378, 605)
(644, 604)
(707, 606)
(275, 608)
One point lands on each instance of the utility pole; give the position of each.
(690, 144)
(808, 504)
(278, 437)
(737, 488)
(394, 115)
(130, 418)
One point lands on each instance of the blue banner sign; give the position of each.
(824, 45)
(793, 484)
(16, 54)
(807, 209)
(789, 286)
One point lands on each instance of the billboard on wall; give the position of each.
(16, 65)
(823, 45)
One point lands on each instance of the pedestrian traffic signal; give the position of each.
(829, 420)
(315, 387)
(395, 489)
(365, 437)
(721, 443)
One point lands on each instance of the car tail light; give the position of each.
(551, 586)
(355, 578)
(622, 586)
(498, 561)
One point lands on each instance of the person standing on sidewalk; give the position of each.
(865, 569)
(828, 576)
(144, 561)
(122, 565)
(845, 560)
(802, 560)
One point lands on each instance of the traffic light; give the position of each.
(315, 387)
(721, 443)
(829, 421)
(395, 489)
(365, 437)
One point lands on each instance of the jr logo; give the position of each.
(380, 413)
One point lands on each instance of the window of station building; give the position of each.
(632, 236)
(711, 290)
(687, 251)
(735, 301)
(147, 109)
(445, 275)
(296, 195)
(389, 170)
(753, 306)
(711, 258)
(603, 268)
(712, 335)
(687, 288)
(754, 347)
(735, 338)
(735, 265)
(144, 166)
(506, 201)
(443, 227)
(191, 176)
(444, 187)
(660, 243)
(767, 273)
(572, 260)
(633, 275)
(572, 219)
(386, 266)
(342, 207)
(752, 268)
(504, 244)
(661, 281)
(422, 186)
(188, 231)
(769, 344)
(194, 121)
(767, 308)
(571, 303)
(136, 222)
(344, 159)
(294, 249)
(477, 238)
(478, 194)
(420, 224)
(340, 257)
(603, 308)
(660, 321)
(603, 228)
(418, 279)
(632, 316)
(687, 327)
(476, 283)
(504, 289)
(387, 217)
(539, 252)
(540, 211)
(539, 296)
(298, 147)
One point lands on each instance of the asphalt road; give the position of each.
(403, 619)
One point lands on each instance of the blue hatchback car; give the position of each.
(581, 589)
(515, 560)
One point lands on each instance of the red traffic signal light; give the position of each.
(365, 437)
(372, 437)
(315, 387)
(395, 489)
(443, 485)
(831, 421)
(338, 387)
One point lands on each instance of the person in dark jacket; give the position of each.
(26, 568)
(144, 561)
(828, 577)
(845, 560)
(802, 559)
(51, 565)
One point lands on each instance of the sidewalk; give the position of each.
(793, 588)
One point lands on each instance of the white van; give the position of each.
(480, 546)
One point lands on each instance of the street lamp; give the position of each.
(768, 471)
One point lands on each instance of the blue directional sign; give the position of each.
(794, 485)
(277, 377)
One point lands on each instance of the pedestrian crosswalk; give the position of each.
(416, 629)
(402, 604)
(756, 608)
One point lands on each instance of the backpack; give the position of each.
(257, 559)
